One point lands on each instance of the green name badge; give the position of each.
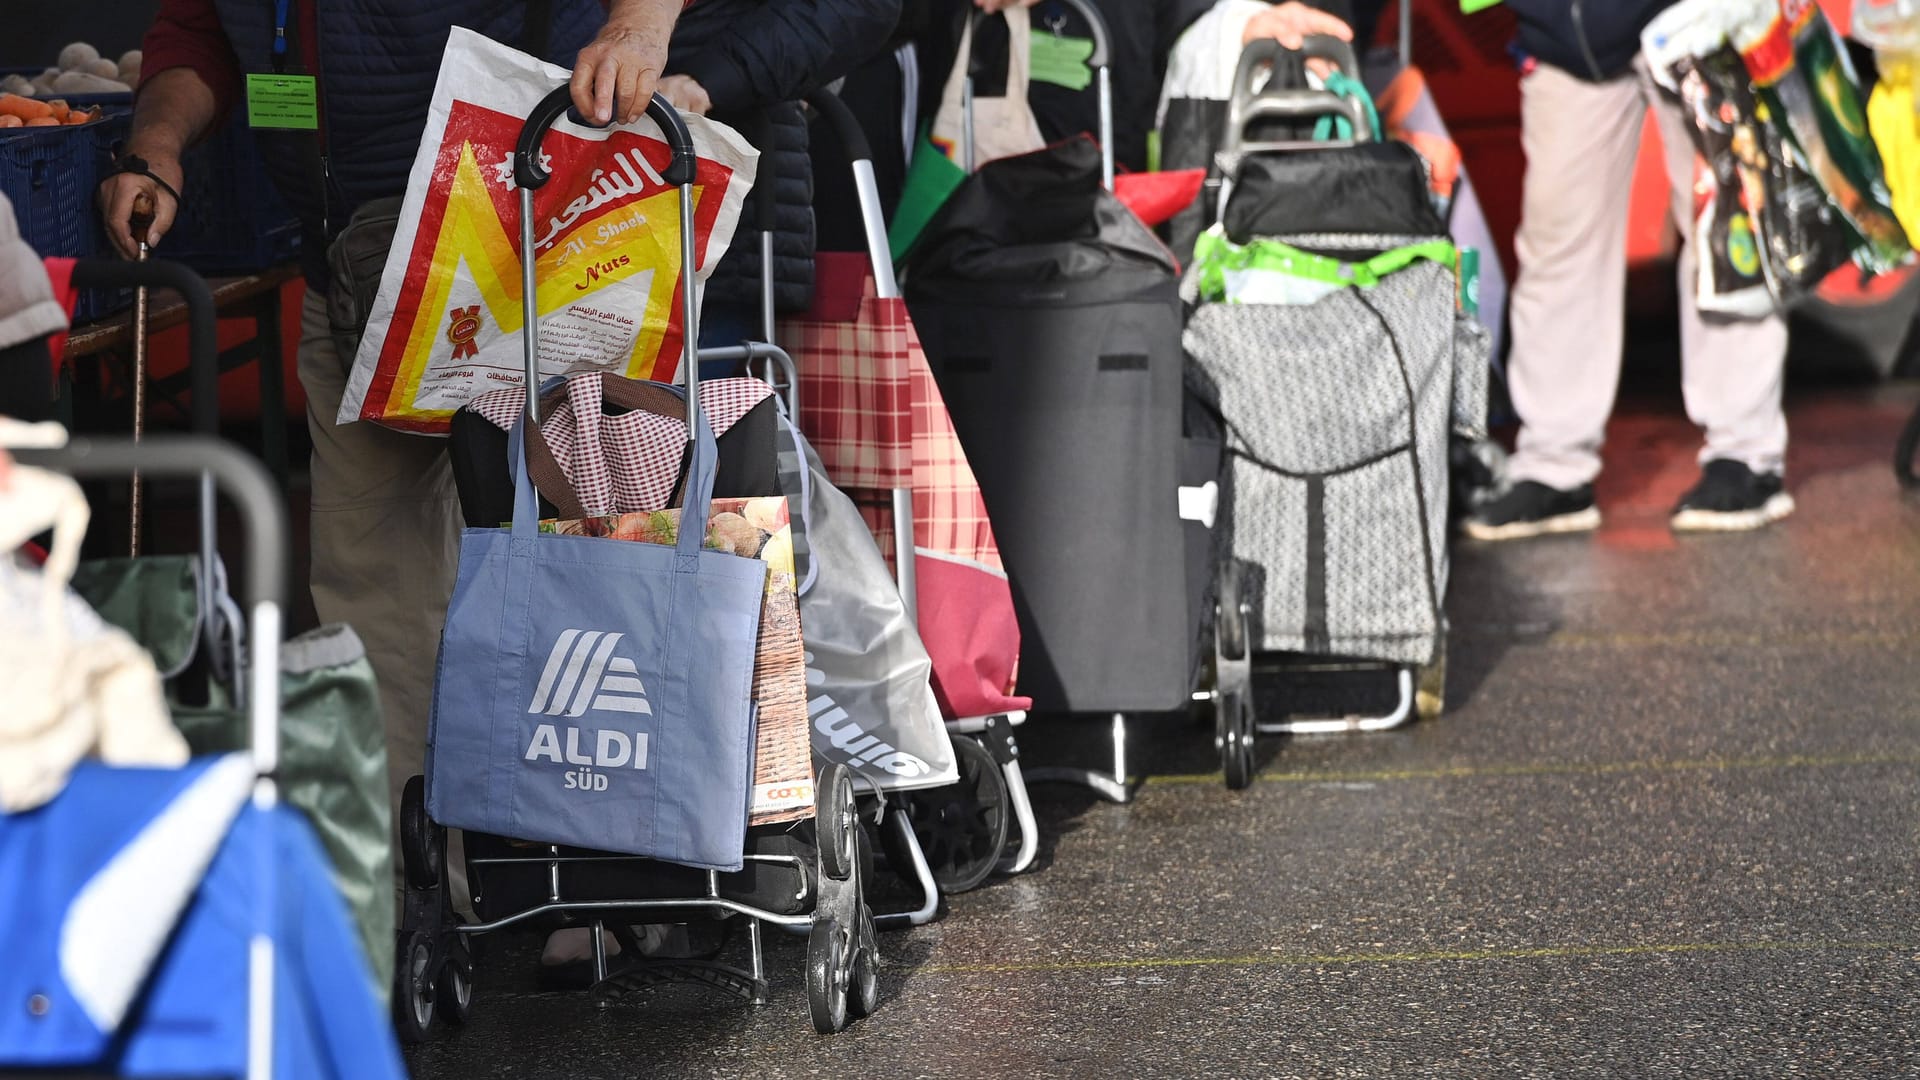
(1062, 60)
(283, 102)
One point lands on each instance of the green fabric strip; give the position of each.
(1214, 255)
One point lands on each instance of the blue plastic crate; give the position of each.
(232, 220)
(49, 174)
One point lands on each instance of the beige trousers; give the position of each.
(1568, 305)
(386, 541)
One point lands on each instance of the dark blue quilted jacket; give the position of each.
(1593, 39)
(378, 63)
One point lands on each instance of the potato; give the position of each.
(104, 68)
(80, 82)
(43, 82)
(129, 67)
(77, 56)
(16, 84)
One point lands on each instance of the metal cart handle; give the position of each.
(529, 174)
(263, 518)
(1099, 62)
(1247, 105)
(872, 218)
(1295, 105)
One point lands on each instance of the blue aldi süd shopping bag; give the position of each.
(597, 692)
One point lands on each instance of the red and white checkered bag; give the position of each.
(856, 396)
(871, 409)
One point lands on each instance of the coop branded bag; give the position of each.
(444, 325)
(596, 692)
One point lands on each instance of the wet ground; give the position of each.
(1667, 827)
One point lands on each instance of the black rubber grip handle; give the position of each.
(852, 135)
(530, 174)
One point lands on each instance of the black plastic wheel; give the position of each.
(863, 991)
(827, 971)
(1233, 732)
(423, 844)
(414, 998)
(453, 990)
(1234, 735)
(1229, 614)
(1905, 449)
(835, 820)
(963, 827)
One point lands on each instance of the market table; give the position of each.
(255, 296)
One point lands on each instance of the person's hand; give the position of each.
(994, 7)
(117, 194)
(685, 93)
(1291, 24)
(621, 67)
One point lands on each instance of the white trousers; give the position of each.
(1568, 305)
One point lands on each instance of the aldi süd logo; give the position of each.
(585, 673)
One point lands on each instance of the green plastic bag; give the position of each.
(1270, 272)
(931, 179)
(333, 768)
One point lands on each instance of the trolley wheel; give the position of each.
(1430, 691)
(453, 990)
(414, 997)
(1230, 614)
(1233, 717)
(827, 976)
(837, 818)
(1905, 450)
(863, 988)
(423, 845)
(1233, 731)
(963, 827)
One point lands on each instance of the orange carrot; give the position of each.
(43, 121)
(9, 121)
(61, 110)
(25, 108)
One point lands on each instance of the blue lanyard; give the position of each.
(280, 34)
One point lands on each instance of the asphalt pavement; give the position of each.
(1667, 827)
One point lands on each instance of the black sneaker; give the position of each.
(1533, 509)
(1732, 498)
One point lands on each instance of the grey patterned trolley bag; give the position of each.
(1337, 417)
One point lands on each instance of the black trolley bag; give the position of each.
(1051, 318)
(1339, 414)
(789, 878)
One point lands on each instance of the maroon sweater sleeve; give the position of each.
(187, 33)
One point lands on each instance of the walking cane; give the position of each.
(138, 223)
